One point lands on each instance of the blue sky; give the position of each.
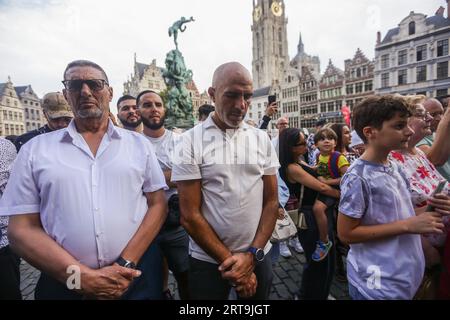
(38, 38)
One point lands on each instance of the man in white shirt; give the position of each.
(85, 202)
(172, 239)
(226, 176)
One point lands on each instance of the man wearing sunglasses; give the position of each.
(85, 202)
(58, 114)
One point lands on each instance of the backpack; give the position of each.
(333, 168)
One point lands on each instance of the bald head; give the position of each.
(231, 92)
(231, 71)
(434, 107)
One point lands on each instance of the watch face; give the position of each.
(257, 14)
(259, 255)
(277, 10)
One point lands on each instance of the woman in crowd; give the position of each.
(317, 276)
(423, 178)
(9, 262)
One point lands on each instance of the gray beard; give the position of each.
(90, 114)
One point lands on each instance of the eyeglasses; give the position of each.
(423, 116)
(93, 84)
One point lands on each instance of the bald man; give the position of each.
(437, 145)
(227, 184)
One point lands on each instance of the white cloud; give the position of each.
(38, 38)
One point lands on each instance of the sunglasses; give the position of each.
(93, 84)
(300, 144)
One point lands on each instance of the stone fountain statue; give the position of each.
(176, 76)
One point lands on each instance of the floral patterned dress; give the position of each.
(423, 180)
(7, 155)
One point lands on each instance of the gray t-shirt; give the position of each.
(391, 268)
(444, 169)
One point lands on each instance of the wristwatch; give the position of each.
(257, 253)
(125, 263)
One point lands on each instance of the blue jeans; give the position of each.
(317, 276)
(275, 252)
(354, 293)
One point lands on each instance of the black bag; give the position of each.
(173, 216)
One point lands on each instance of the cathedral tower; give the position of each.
(270, 46)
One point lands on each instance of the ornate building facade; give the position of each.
(31, 103)
(413, 58)
(11, 111)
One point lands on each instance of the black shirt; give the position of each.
(21, 140)
(309, 195)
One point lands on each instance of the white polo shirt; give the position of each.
(91, 206)
(231, 166)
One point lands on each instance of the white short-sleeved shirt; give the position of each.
(231, 166)
(91, 206)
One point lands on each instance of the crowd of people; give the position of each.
(105, 211)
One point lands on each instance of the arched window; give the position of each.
(412, 28)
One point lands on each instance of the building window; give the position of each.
(441, 92)
(421, 73)
(412, 28)
(442, 48)
(402, 76)
(402, 57)
(359, 87)
(349, 89)
(421, 52)
(442, 70)
(368, 86)
(385, 80)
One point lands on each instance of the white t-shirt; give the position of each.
(164, 148)
(231, 166)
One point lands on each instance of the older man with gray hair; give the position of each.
(437, 146)
(85, 202)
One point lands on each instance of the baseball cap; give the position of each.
(55, 106)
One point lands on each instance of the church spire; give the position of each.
(300, 47)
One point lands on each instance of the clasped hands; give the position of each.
(238, 269)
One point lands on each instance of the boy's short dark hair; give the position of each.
(325, 133)
(375, 110)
